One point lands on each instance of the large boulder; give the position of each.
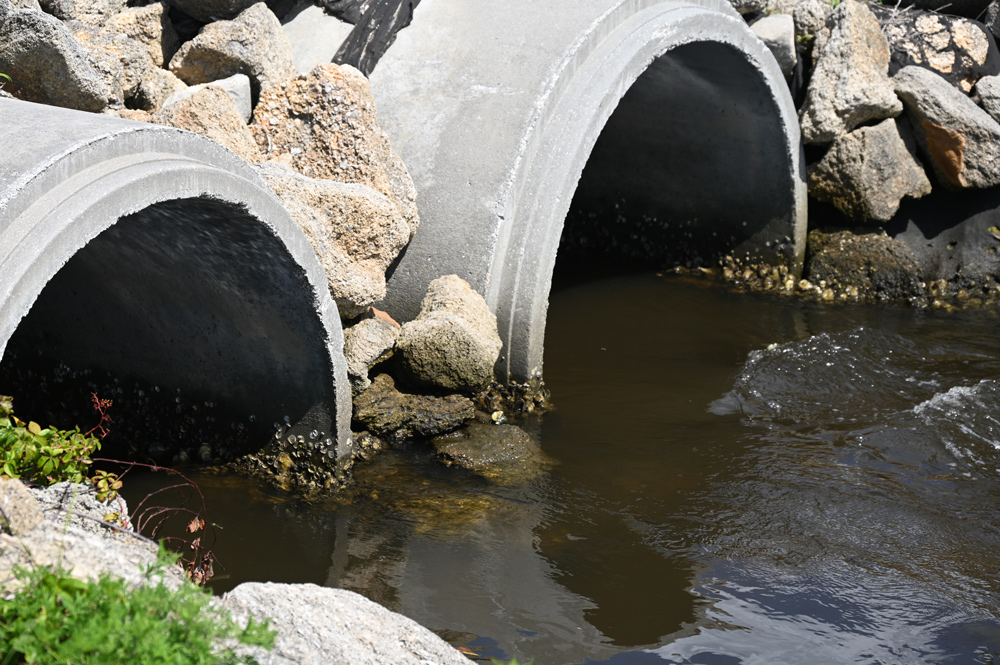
(504, 454)
(872, 267)
(319, 625)
(236, 86)
(453, 343)
(149, 25)
(959, 139)
(369, 341)
(94, 13)
(325, 124)
(958, 49)
(395, 415)
(252, 44)
(212, 113)
(850, 84)
(47, 64)
(356, 232)
(866, 173)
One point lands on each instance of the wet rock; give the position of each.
(236, 86)
(251, 44)
(355, 231)
(149, 25)
(504, 454)
(366, 343)
(156, 88)
(121, 61)
(47, 64)
(208, 11)
(376, 30)
(777, 31)
(212, 113)
(94, 13)
(958, 49)
(20, 512)
(866, 173)
(453, 343)
(390, 413)
(319, 625)
(872, 267)
(325, 124)
(959, 139)
(850, 84)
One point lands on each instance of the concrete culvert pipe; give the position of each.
(497, 107)
(160, 257)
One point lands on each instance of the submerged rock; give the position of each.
(870, 267)
(390, 413)
(504, 454)
(453, 343)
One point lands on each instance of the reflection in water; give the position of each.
(739, 481)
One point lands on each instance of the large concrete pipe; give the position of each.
(158, 255)
(496, 107)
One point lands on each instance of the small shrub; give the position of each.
(56, 619)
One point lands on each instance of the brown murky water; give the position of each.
(740, 480)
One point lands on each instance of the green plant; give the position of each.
(512, 662)
(56, 619)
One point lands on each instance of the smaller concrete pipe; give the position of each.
(158, 255)
(496, 109)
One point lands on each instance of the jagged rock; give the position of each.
(47, 64)
(956, 48)
(156, 87)
(390, 413)
(376, 31)
(747, 6)
(94, 13)
(20, 512)
(367, 342)
(122, 61)
(149, 25)
(866, 173)
(453, 343)
(987, 95)
(777, 31)
(959, 139)
(504, 454)
(208, 11)
(850, 84)
(325, 123)
(810, 18)
(251, 44)
(879, 267)
(236, 86)
(319, 625)
(210, 112)
(315, 37)
(355, 231)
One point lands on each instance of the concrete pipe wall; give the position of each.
(496, 109)
(158, 255)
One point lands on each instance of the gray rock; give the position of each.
(356, 232)
(208, 11)
(94, 13)
(992, 17)
(121, 61)
(955, 48)
(236, 86)
(149, 25)
(27, 4)
(212, 113)
(866, 173)
(326, 126)
(369, 341)
(318, 625)
(850, 84)
(251, 44)
(315, 36)
(959, 139)
(47, 64)
(504, 454)
(777, 31)
(987, 95)
(747, 6)
(392, 414)
(20, 512)
(453, 343)
(155, 88)
(879, 267)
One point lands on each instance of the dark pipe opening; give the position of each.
(191, 316)
(683, 173)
